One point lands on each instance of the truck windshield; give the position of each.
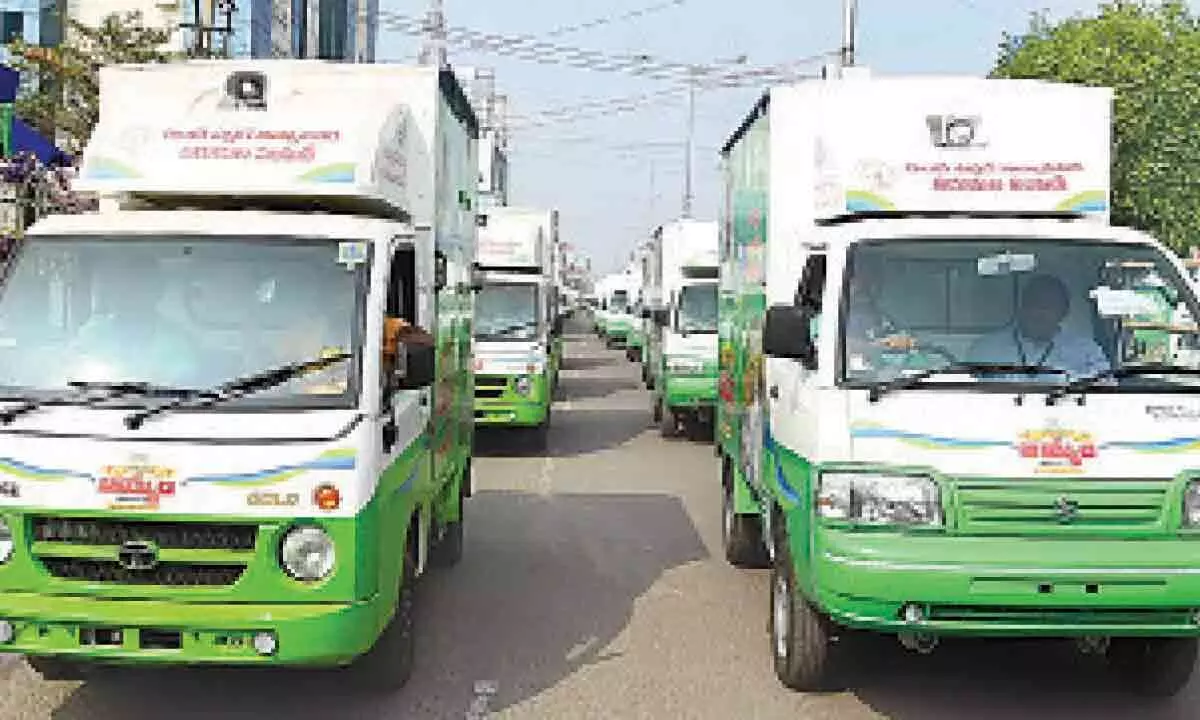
(179, 312)
(620, 302)
(507, 311)
(1082, 309)
(698, 308)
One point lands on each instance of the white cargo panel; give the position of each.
(938, 143)
(510, 241)
(321, 129)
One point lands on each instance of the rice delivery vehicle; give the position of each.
(935, 421)
(221, 441)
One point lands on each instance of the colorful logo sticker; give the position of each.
(138, 485)
(1057, 450)
(9, 490)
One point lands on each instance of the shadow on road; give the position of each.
(587, 388)
(546, 584)
(994, 680)
(578, 431)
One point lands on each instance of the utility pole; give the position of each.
(849, 28)
(691, 138)
(433, 51)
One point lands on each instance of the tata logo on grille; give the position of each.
(138, 555)
(1066, 510)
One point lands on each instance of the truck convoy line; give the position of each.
(949, 399)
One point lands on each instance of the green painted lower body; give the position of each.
(316, 625)
(985, 586)
(308, 634)
(1007, 586)
(690, 393)
(497, 402)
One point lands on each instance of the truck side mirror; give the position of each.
(476, 283)
(785, 335)
(418, 369)
(558, 325)
(661, 316)
(439, 270)
(647, 313)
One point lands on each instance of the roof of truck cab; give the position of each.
(217, 222)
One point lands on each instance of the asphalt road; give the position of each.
(593, 587)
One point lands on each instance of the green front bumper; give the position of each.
(308, 634)
(1005, 586)
(497, 401)
(690, 391)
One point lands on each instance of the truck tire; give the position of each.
(668, 424)
(57, 669)
(741, 535)
(449, 550)
(806, 654)
(1153, 667)
(388, 665)
(655, 409)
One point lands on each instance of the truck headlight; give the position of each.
(879, 499)
(307, 553)
(1191, 504)
(523, 385)
(6, 542)
(684, 366)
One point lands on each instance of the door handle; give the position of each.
(773, 392)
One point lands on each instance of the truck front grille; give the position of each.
(89, 550)
(1061, 505)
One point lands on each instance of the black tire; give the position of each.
(803, 644)
(1153, 667)
(449, 550)
(655, 409)
(57, 669)
(741, 535)
(668, 424)
(388, 666)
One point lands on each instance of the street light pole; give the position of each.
(691, 137)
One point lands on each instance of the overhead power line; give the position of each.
(534, 49)
(613, 19)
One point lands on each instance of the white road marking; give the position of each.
(484, 690)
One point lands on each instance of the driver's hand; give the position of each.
(898, 342)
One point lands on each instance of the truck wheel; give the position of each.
(56, 669)
(802, 641)
(387, 666)
(655, 409)
(449, 550)
(668, 424)
(741, 534)
(1154, 667)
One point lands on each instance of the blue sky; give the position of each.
(598, 167)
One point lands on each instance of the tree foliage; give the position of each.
(1149, 53)
(65, 94)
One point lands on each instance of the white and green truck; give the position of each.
(517, 328)
(682, 344)
(617, 294)
(219, 446)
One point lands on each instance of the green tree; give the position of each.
(66, 94)
(1149, 53)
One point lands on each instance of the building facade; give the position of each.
(326, 29)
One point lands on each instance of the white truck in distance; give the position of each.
(681, 345)
(517, 330)
(220, 448)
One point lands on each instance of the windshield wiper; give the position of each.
(1084, 384)
(235, 389)
(111, 391)
(906, 382)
